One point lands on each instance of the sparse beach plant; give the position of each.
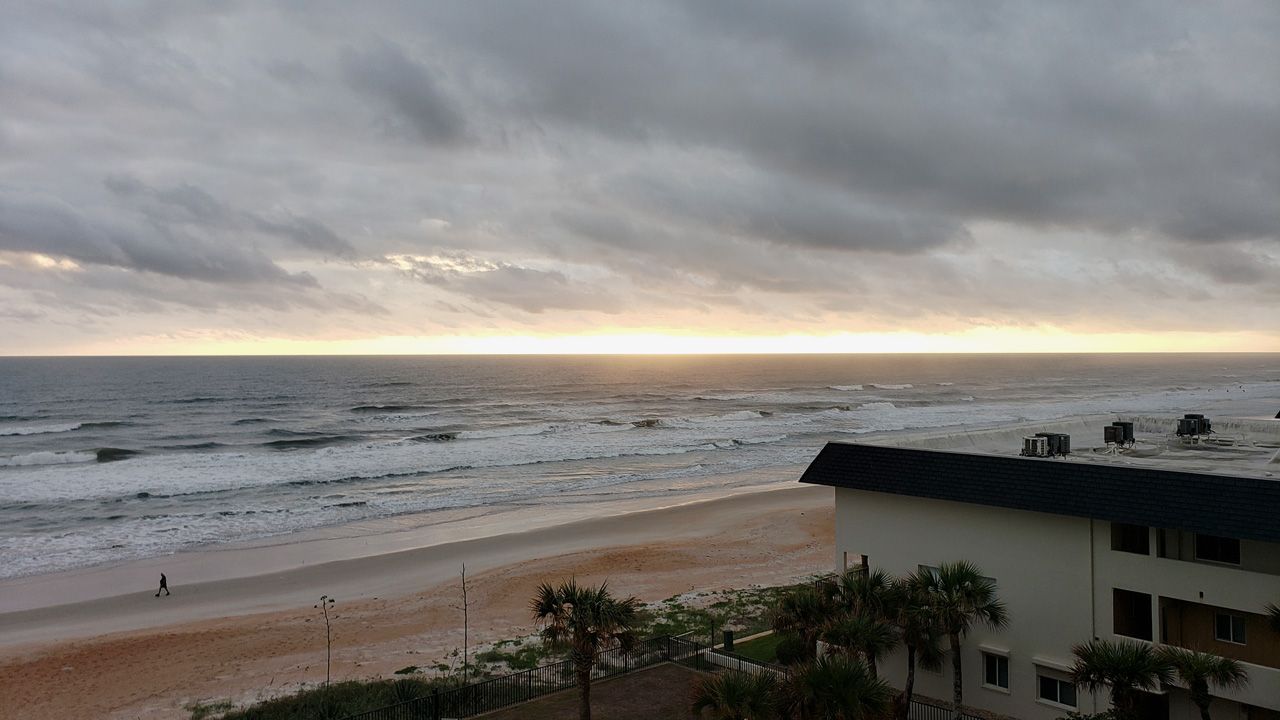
(324, 605)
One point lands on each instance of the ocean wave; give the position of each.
(847, 388)
(286, 433)
(252, 421)
(435, 437)
(739, 442)
(309, 442)
(106, 424)
(39, 429)
(945, 384)
(385, 408)
(878, 406)
(193, 446)
(198, 400)
(647, 422)
(892, 386)
(48, 457)
(112, 454)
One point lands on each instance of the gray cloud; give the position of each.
(734, 165)
(384, 72)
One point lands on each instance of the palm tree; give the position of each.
(835, 687)
(584, 620)
(1126, 667)
(866, 636)
(962, 597)
(737, 696)
(1202, 670)
(1273, 616)
(870, 593)
(917, 623)
(803, 613)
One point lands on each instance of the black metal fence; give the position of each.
(928, 710)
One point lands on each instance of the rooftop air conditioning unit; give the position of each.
(1059, 443)
(1035, 446)
(1113, 435)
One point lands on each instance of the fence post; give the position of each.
(435, 704)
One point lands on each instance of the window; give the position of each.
(995, 671)
(1131, 613)
(1131, 538)
(1218, 549)
(1228, 628)
(1057, 691)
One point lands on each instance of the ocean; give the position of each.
(109, 459)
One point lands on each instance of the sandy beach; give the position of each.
(242, 626)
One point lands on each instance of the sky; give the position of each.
(666, 176)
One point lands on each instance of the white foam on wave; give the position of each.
(878, 406)
(48, 457)
(845, 388)
(38, 429)
(892, 386)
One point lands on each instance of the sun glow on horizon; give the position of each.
(980, 340)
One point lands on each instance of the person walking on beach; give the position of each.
(164, 585)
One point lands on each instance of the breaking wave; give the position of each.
(39, 429)
(65, 457)
(891, 386)
(308, 442)
(846, 388)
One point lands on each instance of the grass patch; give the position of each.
(203, 710)
(338, 700)
(764, 649)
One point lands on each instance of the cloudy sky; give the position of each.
(667, 175)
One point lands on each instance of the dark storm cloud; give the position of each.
(191, 204)
(407, 87)
(60, 230)
(821, 163)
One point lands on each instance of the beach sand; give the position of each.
(245, 627)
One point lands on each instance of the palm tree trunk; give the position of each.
(1204, 711)
(584, 690)
(904, 705)
(957, 683)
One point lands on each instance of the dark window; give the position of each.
(1131, 538)
(995, 670)
(1058, 691)
(1132, 613)
(1229, 628)
(1218, 549)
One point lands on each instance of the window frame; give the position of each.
(1041, 677)
(998, 657)
(1134, 595)
(1217, 542)
(1232, 619)
(1122, 531)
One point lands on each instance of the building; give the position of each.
(1110, 542)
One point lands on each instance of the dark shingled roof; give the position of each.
(1225, 505)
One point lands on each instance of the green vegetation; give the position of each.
(201, 711)
(1128, 668)
(338, 700)
(764, 648)
(585, 621)
(523, 657)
